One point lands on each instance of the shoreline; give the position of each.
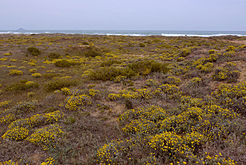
(135, 33)
(124, 35)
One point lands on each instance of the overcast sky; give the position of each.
(228, 15)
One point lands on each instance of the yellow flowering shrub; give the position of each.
(152, 113)
(16, 133)
(14, 72)
(31, 84)
(32, 70)
(169, 91)
(7, 118)
(4, 104)
(77, 102)
(7, 54)
(9, 162)
(140, 126)
(36, 75)
(37, 120)
(216, 159)
(169, 145)
(48, 161)
(173, 80)
(177, 70)
(66, 91)
(188, 102)
(93, 92)
(115, 152)
(46, 136)
(114, 96)
(206, 67)
(232, 96)
(203, 120)
(229, 72)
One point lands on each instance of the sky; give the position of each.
(208, 15)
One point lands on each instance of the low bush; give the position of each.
(185, 52)
(59, 83)
(46, 137)
(63, 63)
(54, 55)
(22, 85)
(148, 66)
(109, 63)
(92, 52)
(33, 51)
(15, 72)
(36, 75)
(110, 73)
(16, 133)
(228, 73)
(50, 75)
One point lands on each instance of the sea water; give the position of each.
(130, 32)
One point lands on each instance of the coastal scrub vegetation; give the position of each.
(90, 99)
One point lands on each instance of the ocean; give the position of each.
(130, 32)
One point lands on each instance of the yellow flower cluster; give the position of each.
(30, 84)
(9, 162)
(229, 72)
(232, 96)
(8, 118)
(36, 75)
(188, 102)
(75, 102)
(115, 152)
(206, 67)
(37, 120)
(93, 92)
(152, 113)
(108, 153)
(16, 133)
(48, 161)
(114, 96)
(46, 136)
(66, 91)
(169, 144)
(217, 159)
(201, 120)
(168, 91)
(177, 70)
(140, 126)
(173, 80)
(14, 72)
(4, 104)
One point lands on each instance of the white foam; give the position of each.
(124, 34)
(200, 35)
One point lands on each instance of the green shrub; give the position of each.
(185, 52)
(22, 85)
(228, 73)
(133, 69)
(109, 73)
(109, 63)
(54, 55)
(50, 75)
(33, 51)
(212, 51)
(142, 45)
(230, 48)
(92, 52)
(63, 63)
(59, 83)
(148, 66)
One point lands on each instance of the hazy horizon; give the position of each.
(170, 15)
